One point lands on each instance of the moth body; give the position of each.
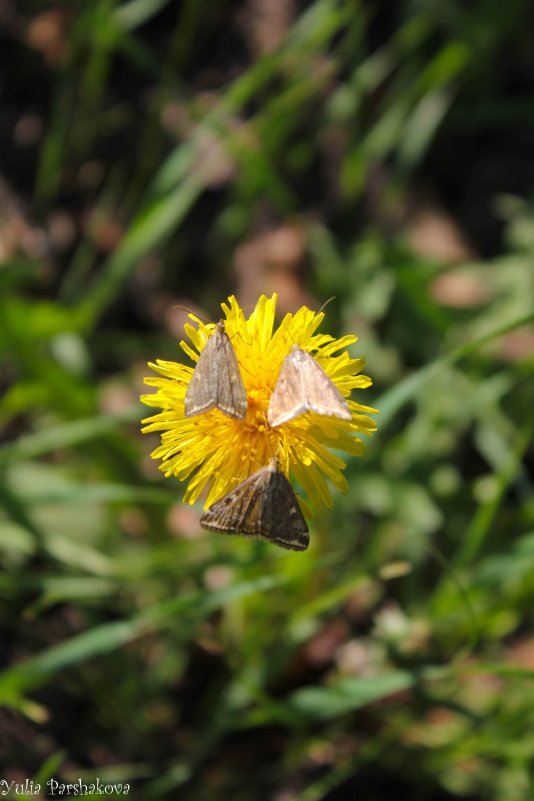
(264, 506)
(216, 381)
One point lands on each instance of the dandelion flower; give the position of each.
(216, 450)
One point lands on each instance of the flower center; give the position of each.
(258, 403)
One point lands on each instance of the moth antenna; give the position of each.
(220, 323)
(190, 311)
(325, 304)
(288, 332)
(233, 335)
(282, 325)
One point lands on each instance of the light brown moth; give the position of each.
(264, 506)
(303, 386)
(216, 381)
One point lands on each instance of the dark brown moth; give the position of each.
(303, 386)
(216, 381)
(264, 506)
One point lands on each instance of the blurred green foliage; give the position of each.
(395, 656)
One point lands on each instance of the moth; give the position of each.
(216, 381)
(264, 506)
(303, 386)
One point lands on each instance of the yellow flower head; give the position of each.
(225, 451)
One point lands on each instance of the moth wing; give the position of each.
(324, 397)
(282, 521)
(201, 393)
(231, 393)
(303, 386)
(216, 380)
(239, 511)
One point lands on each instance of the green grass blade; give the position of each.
(111, 636)
(65, 436)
